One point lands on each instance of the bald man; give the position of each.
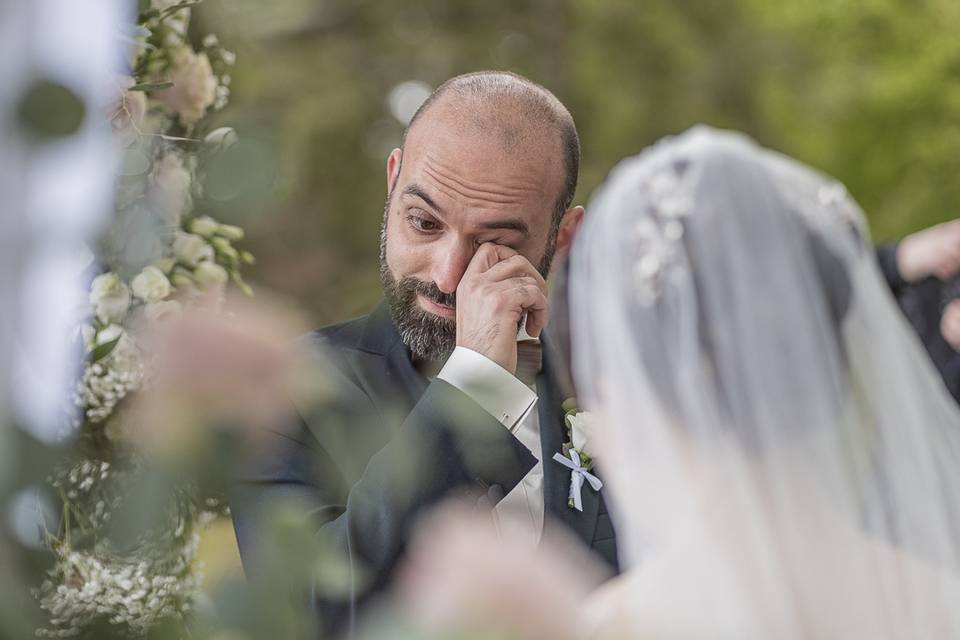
(445, 389)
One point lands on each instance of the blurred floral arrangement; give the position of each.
(159, 256)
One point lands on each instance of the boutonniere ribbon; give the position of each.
(579, 427)
(578, 474)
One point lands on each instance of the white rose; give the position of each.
(110, 297)
(204, 226)
(191, 249)
(127, 111)
(165, 264)
(210, 274)
(169, 190)
(151, 285)
(164, 310)
(125, 359)
(581, 430)
(194, 86)
(108, 334)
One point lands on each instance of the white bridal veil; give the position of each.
(782, 459)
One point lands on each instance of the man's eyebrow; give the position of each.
(417, 190)
(510, 224)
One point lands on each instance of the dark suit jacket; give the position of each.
(390, 445)
(923, 303)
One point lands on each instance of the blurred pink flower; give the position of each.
(194, 86)
(463, 575)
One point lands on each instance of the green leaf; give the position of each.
(243, 286)
(169, 11)
(103, 350)
(150, 86)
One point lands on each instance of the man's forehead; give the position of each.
(446, 152)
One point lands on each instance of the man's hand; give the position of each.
(497, 289)
(950, 324)
(931, 252)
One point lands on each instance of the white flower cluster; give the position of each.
(86, 587)
(82, 478)
(90, 484)
(105, 383)
(190, 255)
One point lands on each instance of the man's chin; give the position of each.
(429, 337)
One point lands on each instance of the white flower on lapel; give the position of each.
(575, 456)
(580, 426)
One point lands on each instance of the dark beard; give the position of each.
(428, 336)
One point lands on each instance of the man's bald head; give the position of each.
(514, 110)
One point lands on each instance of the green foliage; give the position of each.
(866, 91)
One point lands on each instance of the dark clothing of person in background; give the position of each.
(923, 302)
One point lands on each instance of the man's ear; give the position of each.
(393, 168)
(569, 225)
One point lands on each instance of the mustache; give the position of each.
(429, 290)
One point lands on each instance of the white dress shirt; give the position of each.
(511, 402)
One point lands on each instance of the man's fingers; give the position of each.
(487, 256)
(514, 267)
(536, 321)
(524, 295)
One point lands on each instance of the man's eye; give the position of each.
(423, 224)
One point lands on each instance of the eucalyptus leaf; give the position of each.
(103, 350)
(169, 11)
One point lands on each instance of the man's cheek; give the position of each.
(402, 259)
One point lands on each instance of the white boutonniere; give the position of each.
(574, 456)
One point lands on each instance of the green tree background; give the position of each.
(866, 90)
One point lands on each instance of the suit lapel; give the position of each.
(394, 385)
(388, 375)
(552, 391)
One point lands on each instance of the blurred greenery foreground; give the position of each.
(122, 508)
(866, 91)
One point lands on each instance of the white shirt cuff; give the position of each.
(499, 392)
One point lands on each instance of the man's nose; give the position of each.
(451, 263)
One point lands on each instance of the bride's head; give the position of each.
(716, 271)
(731, 329)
